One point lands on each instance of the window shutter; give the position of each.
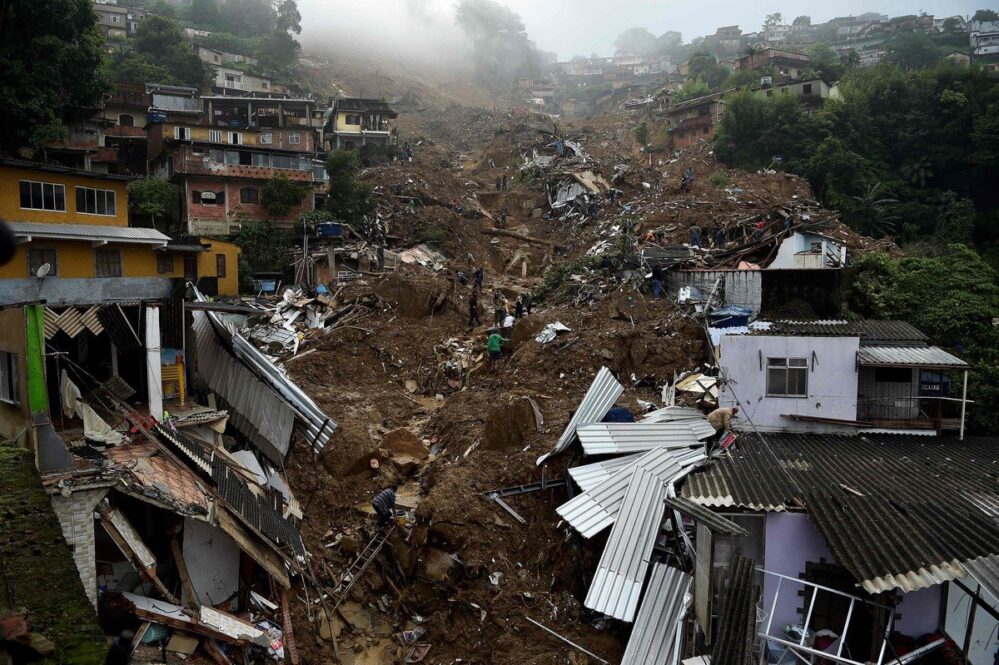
(195, 196)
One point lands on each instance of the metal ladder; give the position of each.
(357, 567)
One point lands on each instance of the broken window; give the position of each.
(787, 377)
(9, 391)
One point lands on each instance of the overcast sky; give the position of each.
(571, 27)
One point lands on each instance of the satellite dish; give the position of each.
(43, 270)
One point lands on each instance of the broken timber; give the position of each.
(357, 568)
(521, 236)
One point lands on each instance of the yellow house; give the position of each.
(356, 122)
(74, 245)
(213, 265)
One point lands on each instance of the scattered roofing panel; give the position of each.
(122, 234)
(655, 639)
(597, 401)
(617, 584)
(589, 476)
(672, 413)
(620, 438)
(898, 511)
(705, 516)
(121, 331)
(737, 623)
(596, 509)
(929, 357)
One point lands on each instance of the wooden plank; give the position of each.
(185, 577)
(123, 542)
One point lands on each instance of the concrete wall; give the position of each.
(918, 613)
(738, 287)
(212, 559)
(10, 198)
(791, 541)
(208, 265)
(832, 380)
(76, 517)
(794, 252)
(985, 632)
(58, 292)
(14, 417)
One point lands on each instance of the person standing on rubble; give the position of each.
(498, 309)
(688, 180)
(504, 183)
(499, 183)
(478, 275)
(473, 309)
(528, 300)
(720, 237)
(384, 506)
(508, 322)
(657, 281)
(695, 236)
(518, 308)
(494, 344)
(758, 230)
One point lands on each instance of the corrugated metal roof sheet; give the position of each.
(899, 512)
(672, 413)
(737, 623)
(617, 584)
(985, 571)
(619, 438)
(255, 410)
(596, 509)
(125, 234)
(870, 332)
(597, 401)
(589, 476)
(908, 356)
(705, 516)
(657, 632)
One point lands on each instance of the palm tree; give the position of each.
(918, 171)
(871, 214)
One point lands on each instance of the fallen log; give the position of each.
(520, 236)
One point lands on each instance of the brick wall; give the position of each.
(76, 517)
(217, 216)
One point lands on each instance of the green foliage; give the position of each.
(638, 41)
(427, 231)
(773, 19)
(912, 50)
(502, 48)
(230, 43)
(204, 13)
(158, 53)
(152, 198)
(706, 67)
(802, 21)
(719, 179)
(265, 248)
(349, 199)
(692, 89)
(825, 62)
(248, 18)
(556, 282)
(280, 195)
(952, 297)
(642, 134)
(50, 65)
(986, 15)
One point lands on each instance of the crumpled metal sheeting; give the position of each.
(599, 398)
(621, 438)
(255, 409)
(655, 638)
(617, 584)
(594, 510)
(589, 476)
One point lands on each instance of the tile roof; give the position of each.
(898, 511)
(156, 476)
(122, 234)
(908, 356)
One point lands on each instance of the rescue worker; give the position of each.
(384, 506)
(721, 418)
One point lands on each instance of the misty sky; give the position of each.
(571, 27)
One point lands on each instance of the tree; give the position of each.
(802, 21)
(248, 18)
(265, 248)
(642, 134)
(825, 62)
(985, 15)
(349, 200)
(158, 42)
(951, 24)
(289, 19)
(500, 44)
(50, 65)
(204, 13)
(706, 67)
(871, 212)
(636, 40)
(278, 52)
(669, 42)
(152, 198)
(912, 50)
(773, 20)
(280, 195)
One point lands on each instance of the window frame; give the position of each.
(54, 263)
(117, 266)
(56, 187)
(182, 133)
(220, 267)
(97, 195)
(208, 201)
(798, 365)
(10, 384)
(295, 138)
(235, 138)
(161, 263)
(215, 136)
(244, 200)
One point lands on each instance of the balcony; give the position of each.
(915, 412)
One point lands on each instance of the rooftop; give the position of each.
(898, 511)
(59, 168)
(871, 332)
(364, 105)
(110, 234)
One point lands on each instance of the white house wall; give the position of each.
(791, 256)
(832, 380)
(984, 635)
(212, 559)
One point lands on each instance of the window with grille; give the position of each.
(220, 265)
(294, 138)
(108, 263)
(249, 195)
(215, 135)
(9, 389)
(787, 377)
(95, 201)
(39, 256)
(42, 196)
(164, 264)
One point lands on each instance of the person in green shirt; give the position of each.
(495, 347)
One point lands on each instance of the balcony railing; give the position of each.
(916, 412)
